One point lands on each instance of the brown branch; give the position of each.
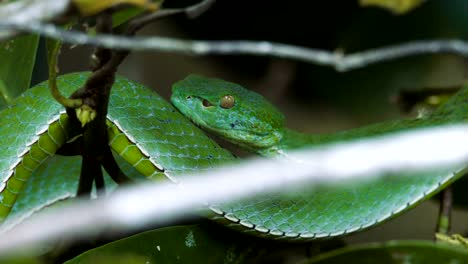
(191, 12)
(95, 95)
(112, 168)
(102, 55)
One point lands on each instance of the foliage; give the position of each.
(18, 53)
(397, 6)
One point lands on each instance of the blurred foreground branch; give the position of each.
(31, 11)
(136, 206)
(337, 60)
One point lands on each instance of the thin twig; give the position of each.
(263, 48)
(198, 9)
(136, 206)
(53, 50)
(192, 11)
(445, 211)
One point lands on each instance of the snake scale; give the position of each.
(159, 142)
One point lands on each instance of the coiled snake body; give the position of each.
(152, 136)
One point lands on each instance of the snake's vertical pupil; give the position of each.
(227, 101)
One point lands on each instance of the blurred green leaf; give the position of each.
(120, 17)
(6, 99)
(178, 244)
(92, 7)
(21, 260)
(17, 58)
(396, 6)
(410, 252)
(115, 258)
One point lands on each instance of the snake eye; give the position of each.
(227, 101)
(206, 103)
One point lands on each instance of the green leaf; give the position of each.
(414, 252)
(92, 7)
(123, 16)
(4, 95)
(178, 244)
(398, 7)
(17, 58)
(116, 258)
(20, 260)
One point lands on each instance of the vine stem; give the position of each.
(94, 96)
(53, 51)
(445, 211)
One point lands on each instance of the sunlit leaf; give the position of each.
(21, 260)
(396, 6)
(91, 7)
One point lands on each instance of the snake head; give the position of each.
(230, 111)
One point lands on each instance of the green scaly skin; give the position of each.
(159, 142)
(328, 211)
(143, 128)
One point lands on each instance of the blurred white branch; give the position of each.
(30, 11)
(26, 16)
(34, 11)
(337, 60)
(136, 206)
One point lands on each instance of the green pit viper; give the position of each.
(159, 142)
